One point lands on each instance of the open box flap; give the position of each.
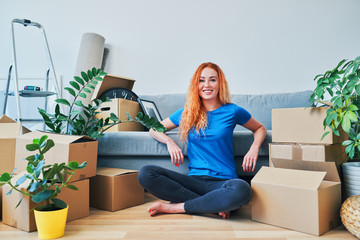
(112, 81)
(328, 167)
(105, 171)
(9, 128)
(6, 119)
(289, 177)
(56, 137)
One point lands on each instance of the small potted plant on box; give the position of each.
(42, 183)
(340, 88)
(82, 121)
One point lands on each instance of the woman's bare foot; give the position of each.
(224, 214)
(162, 207)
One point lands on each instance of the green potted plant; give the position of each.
(42, 183)
(340, 88)
(82, 121)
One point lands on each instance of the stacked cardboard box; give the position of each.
(67, 148)
(118, 106)
(9, 130)
(301, 189)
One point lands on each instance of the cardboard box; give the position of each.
(118, 106)
(112, 81)
(67, 148)
(302, 125)
(9, 130)
(308, 152)
(22, 218)
(298, 195)
(113, 189)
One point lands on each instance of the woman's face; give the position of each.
(209, 84)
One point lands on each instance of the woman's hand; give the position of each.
(250, 159)
(177, 157)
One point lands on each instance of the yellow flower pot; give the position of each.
(51, 224)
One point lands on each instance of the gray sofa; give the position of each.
(132, 150)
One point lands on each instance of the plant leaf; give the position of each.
(351, 116)
(34, 186)
(43, 139)
(79, 103)
(140, 116)
(83, 95)
(346, 124)
(113, 117)
(49, 144)
(129, 116)
(72, 187)
(75, 85)
(90, 86)
(86, 90)
(59, 203)
(17, 205)
(71, 91)
(21, 180)
(41, 196)
(85, 76)
(82, 165)
(89, 73)
(357, 89)
(32, 147)
(73, 165)
(79, 80)
(347, 142)
(5, 177)
(63, 101)
(324, 135)
(94, 71)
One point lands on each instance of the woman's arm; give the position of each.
(251, 157)
(175, 152)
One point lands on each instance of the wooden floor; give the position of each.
(135, 223)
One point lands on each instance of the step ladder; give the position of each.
(13, 68)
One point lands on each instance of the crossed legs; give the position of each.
(193, 194)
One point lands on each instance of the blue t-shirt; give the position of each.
(211, 150)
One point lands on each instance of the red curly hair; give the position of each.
(194, 115)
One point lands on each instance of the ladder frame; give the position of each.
(25, 23)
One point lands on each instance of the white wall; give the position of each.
(263, 46)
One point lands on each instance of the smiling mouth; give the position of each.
(207, 91)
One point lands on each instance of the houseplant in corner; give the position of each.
(81, 121)
(340, 88)
(42, 183)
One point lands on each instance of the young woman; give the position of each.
(207, 123)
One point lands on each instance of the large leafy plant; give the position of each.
(42, 182)
(340, 88)
(80, 119)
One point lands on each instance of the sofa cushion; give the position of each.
(142, 144)
(131, 143)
